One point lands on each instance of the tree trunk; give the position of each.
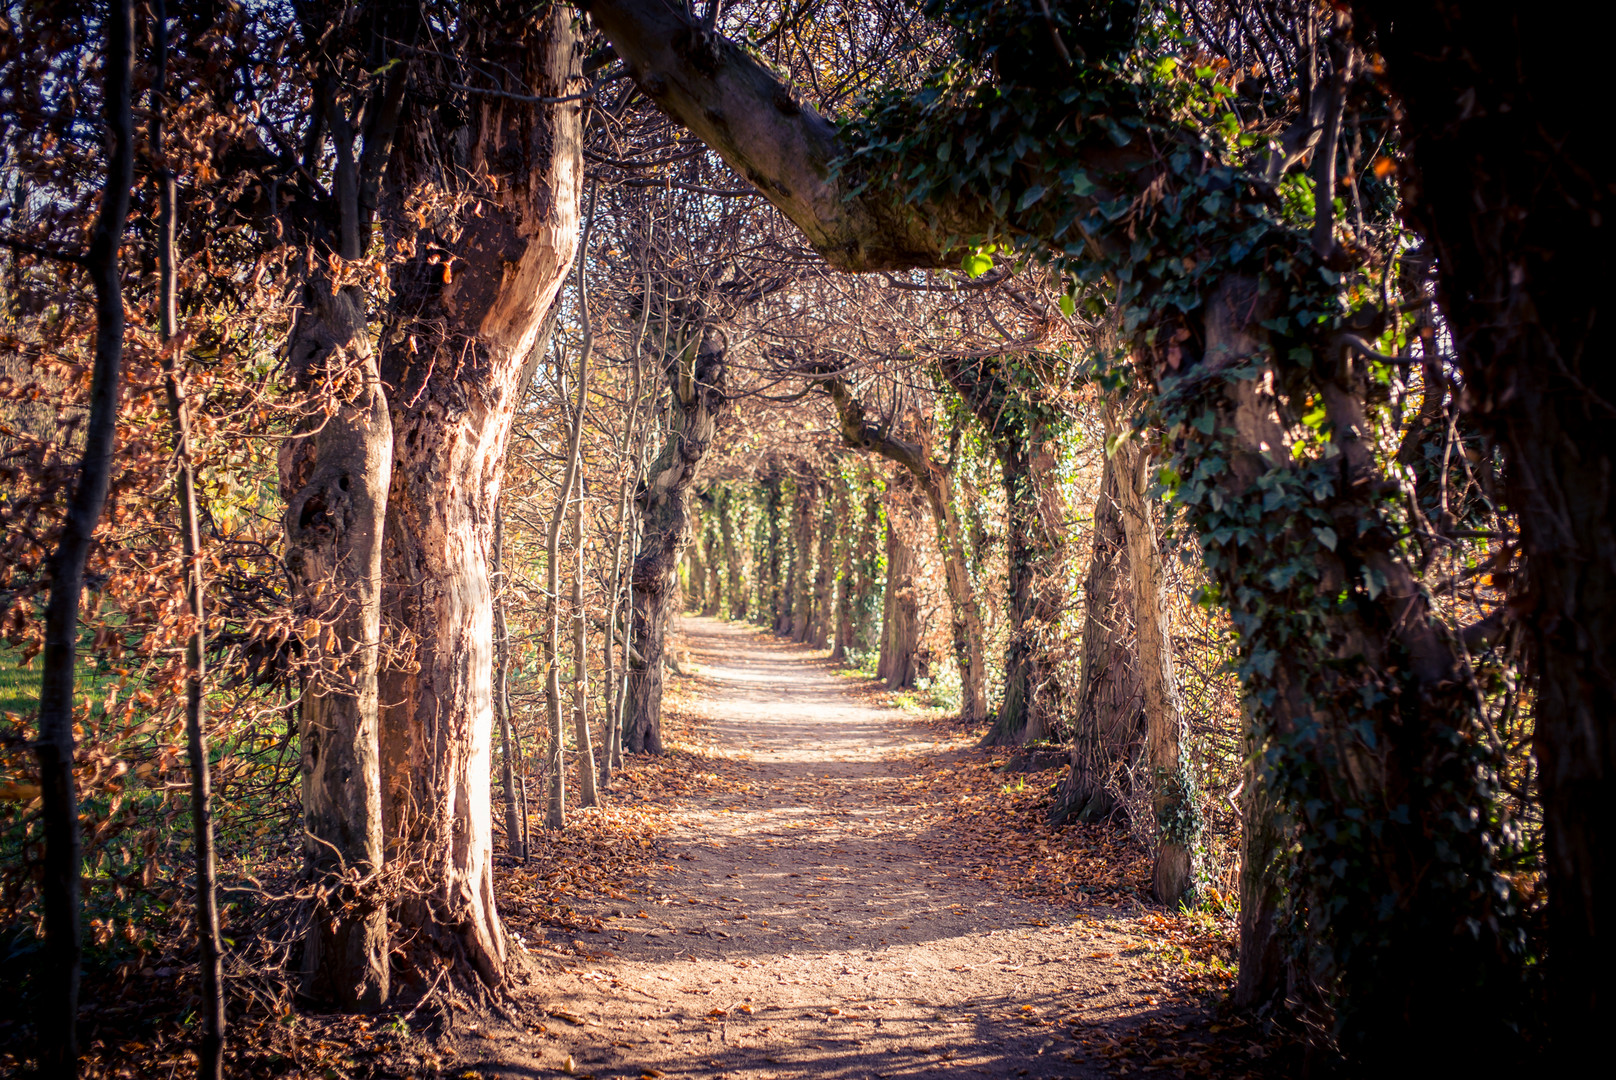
(715, 569)
(1109, 728)
(555, 815)
(937, 485)
(452, 413)
(1173, 795)
(1262, 952)
(696, 571)
(900, 626)
(844, 577)
(824, 580)
(696, 370)
(334, 476)
(210, 1049)
(776, 587)
(59, 884)
(588, 795)
(735, 573)
(867, 592)
(514, 844)
(804, 545)
(1006, 407)
(1513, 188)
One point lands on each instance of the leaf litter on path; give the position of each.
(813, 883)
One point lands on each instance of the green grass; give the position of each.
(19, 686)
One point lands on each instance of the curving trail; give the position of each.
(815, 923)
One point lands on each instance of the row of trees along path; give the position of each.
(811, 915)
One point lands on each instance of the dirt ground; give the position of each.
(808, 919)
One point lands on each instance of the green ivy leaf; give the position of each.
(975, 264)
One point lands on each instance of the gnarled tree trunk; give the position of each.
(479, 316)
(1173, 797)
(1109, 727)
(335, 475)
(696, 374)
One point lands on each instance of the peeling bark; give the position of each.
(453, 403)
(334, 477)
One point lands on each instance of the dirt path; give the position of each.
(812, 922)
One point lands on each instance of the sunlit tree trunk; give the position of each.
(457, 381)
(1108, 736)
(804, 546)
(502, 705)
(1173, 794)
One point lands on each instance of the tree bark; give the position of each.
(1035, 556)
(1173, 796)
(696, 370)
(556, 809)
(868, 585)
(771, 590)
(1109, 727)
(515, 843)
(843, 617)
(480, 320)
(335, 475)
(59, 885)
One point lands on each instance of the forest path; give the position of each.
(812, 921)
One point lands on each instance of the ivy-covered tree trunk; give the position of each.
(771, 588)
(843, 617)
(1362, 709)
(696, 371)
(456, 392)
(867, 572)
(785, 528)
(935, 482)
(1017, 429)
(1108, 738)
